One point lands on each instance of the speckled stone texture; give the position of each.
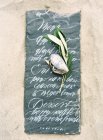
(46, 109)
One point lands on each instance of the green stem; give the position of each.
(62, 83)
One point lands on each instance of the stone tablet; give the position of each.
(45, 109)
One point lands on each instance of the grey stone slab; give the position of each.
(45, 109)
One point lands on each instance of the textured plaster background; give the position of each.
(12, 58)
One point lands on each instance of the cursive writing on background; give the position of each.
(46, 104)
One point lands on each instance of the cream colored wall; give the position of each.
(12, 58)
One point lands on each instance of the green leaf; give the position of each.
(59, 30)
(58, 42)
(64, 42)
(69, 60)
(46, 37)
(63, 53)
(56, 33)
(69, 64)
(54, 39)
